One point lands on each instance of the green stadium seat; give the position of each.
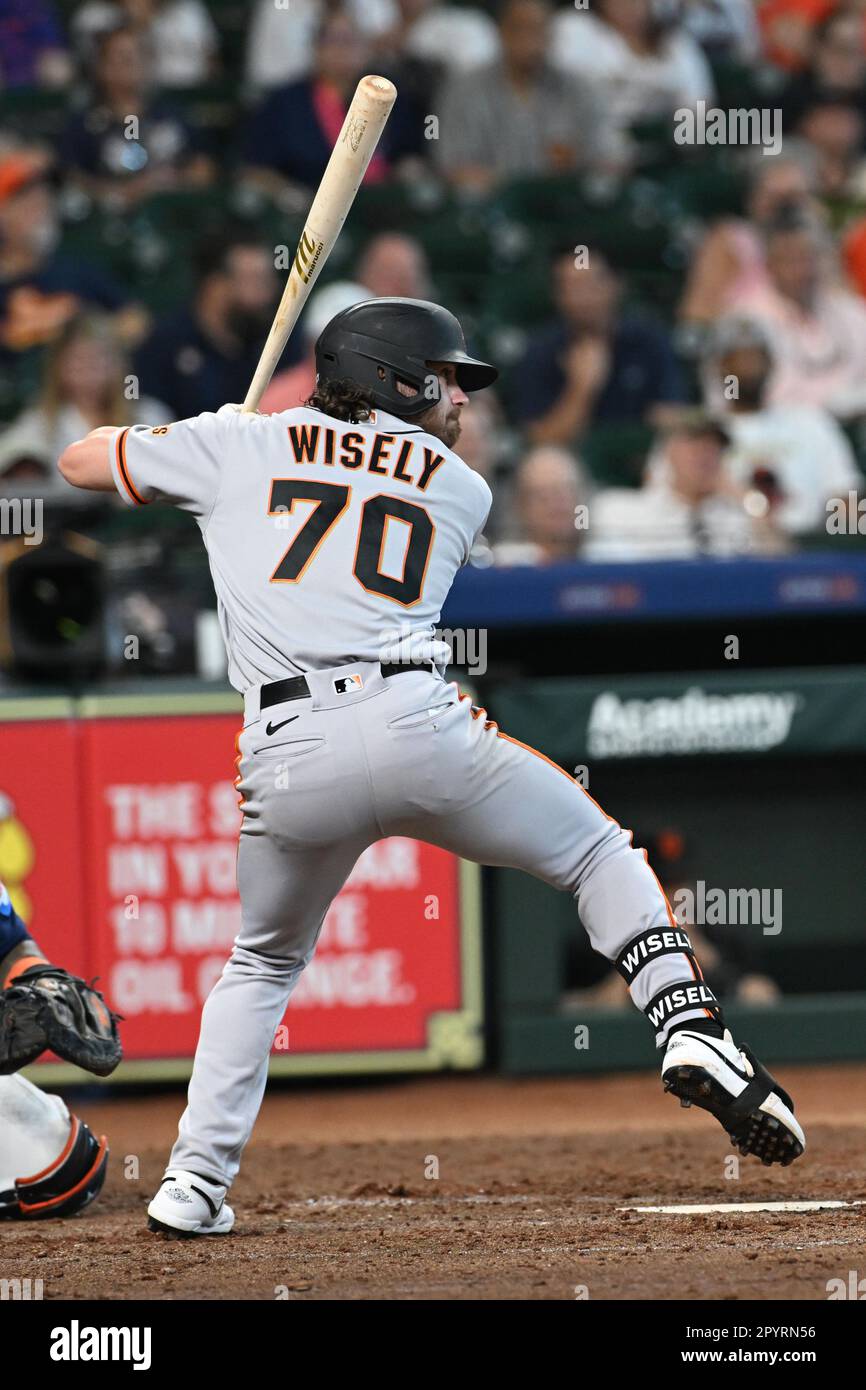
(457, 241)
(165, 232)
(655, 150)
(540, 200)
(34, 113)
(740, 86)
(211, 107)
(654, 292)
(518, 297)
(635, 226)
(19, 382)
(232, 20)
(399, 207)
(615, 454)
(101, 238)
(709, 186)
(183, 216)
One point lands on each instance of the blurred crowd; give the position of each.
(680, 321)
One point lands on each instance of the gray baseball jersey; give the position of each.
(325, 538)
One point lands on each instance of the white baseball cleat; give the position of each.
(187, 1205)
(731, 1083)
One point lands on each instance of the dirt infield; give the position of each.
(334, 1201)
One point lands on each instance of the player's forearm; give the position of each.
(87, 463)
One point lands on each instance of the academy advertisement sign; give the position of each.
(694, 715)
(694, 722)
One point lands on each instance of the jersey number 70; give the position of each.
(331, 500)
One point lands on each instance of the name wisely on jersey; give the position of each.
(379, 514)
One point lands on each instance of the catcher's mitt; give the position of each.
(46, 1007)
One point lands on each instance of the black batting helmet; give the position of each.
(381, 342)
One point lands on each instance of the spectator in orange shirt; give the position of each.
(788, 27)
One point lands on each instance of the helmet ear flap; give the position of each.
(417, 395)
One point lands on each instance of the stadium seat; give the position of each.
(615, 454)
(636, 225)
(708, 187)
(19, 382)
(99, 238)
(232, 20)
(741, 86)
(34, 113)
(655, 150)
(167, 229)
(519, 298)
(210, 108)
(399, 207)
(457, 241)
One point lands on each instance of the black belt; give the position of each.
(296, 687)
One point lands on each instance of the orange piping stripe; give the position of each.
(535, 752)
(64, 1196)
(123, 468)
(550, 763)
(238, 766)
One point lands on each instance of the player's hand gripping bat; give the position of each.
(364, 123)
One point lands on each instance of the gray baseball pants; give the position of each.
(402, 755)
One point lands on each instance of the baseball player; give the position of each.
(50, 1162)
(328, 528)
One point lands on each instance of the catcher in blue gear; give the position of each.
(51, 1164)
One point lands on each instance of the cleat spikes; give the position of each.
(759, 1134)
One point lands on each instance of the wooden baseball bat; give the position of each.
(364, 123)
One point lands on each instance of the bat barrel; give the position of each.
(356, 144)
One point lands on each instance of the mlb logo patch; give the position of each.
(346, 684)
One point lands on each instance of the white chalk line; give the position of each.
(534, 1200)
(723, 1208)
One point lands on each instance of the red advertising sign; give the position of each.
(40, 825)
(150, 828)
(162, 822)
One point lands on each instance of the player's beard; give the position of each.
(451, 429)
(447, 429)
